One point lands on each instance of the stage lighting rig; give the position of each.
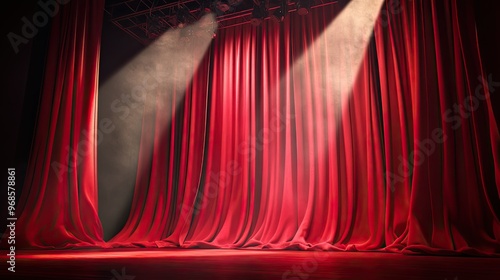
(259, 12)
(280, 13)
(303, 7)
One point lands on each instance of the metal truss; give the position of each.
(145, 20)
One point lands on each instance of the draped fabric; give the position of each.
(288, 161)
(58, 205)
(171, 150)
(265, 148)
(433, 91)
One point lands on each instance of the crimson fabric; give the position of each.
(257, 151)
(58, 205)
(284, 163)
(432, 82)
(171, 152)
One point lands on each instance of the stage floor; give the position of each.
(137, 264)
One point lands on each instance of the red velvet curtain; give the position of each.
(257, 152)
(171, 148)
(434, 90)
(280, 162)
(58, 205)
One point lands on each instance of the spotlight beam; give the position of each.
(341, 49)
(152, 81)
(348, 36)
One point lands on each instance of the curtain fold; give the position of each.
(58, 205)
(170, 155)
(446, 165)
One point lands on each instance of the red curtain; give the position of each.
(434, 90)
(58, 205)
(171, 147)
(279, 162)
(257, 152)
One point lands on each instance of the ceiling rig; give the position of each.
(146, 20)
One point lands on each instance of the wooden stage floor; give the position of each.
(138, 264)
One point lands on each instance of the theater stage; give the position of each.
(128, 264)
